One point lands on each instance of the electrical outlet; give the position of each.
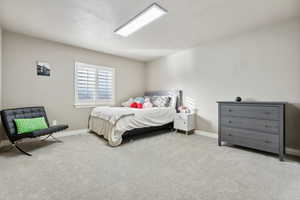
(54, 122)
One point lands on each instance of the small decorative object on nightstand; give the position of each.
(185, 122)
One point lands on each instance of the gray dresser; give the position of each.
(257, 125)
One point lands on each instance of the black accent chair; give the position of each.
(8, 116)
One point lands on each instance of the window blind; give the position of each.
(94, 85)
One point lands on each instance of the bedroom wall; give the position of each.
(24, 88)
(263, 65)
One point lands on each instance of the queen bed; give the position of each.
(115, 122)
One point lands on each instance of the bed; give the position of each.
(115, 122)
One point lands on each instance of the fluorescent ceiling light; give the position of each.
(150, 14)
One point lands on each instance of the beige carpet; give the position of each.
(165, 166)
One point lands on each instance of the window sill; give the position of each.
(92, 106)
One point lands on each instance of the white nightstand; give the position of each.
(185, 122)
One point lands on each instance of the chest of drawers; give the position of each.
(257, 125)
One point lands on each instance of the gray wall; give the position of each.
(24, 88)
(262, 65)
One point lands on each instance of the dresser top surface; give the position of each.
(255, 102)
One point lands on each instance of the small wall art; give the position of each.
(43, 68)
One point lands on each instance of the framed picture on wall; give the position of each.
(43, 68)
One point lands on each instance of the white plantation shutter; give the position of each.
(94, 85)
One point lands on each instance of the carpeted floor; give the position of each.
(165, 166)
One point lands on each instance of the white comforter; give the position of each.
(122, 119)
(112, 114)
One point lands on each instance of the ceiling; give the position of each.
(90, 23)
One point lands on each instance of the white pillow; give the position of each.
(147, 103)
(173, 101)
(160, 101)
(128, 102)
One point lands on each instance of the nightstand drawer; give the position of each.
(181, 117)
(181, 124)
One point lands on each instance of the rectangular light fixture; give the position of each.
(150, 14)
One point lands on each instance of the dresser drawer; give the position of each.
(264, 142)
(258, 112)
(266, 126)
(253, 135)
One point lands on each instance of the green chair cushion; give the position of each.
(30, 124)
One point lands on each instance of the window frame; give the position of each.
(93, 103)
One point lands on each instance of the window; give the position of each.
(94, 85)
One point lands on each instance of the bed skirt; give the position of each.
(107, 130)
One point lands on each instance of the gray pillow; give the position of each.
(160, 101)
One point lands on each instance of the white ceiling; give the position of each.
(90, 23)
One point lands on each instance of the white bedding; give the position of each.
(112, 122)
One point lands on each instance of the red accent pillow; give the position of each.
(139, 105)
(133, 105)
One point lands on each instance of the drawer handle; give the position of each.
(229, 134)
(267, 113)
(267, 126)
(268, 142)
(229, 121)
(229, 110)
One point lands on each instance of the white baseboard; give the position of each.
(61, 134)
(207, 134)
(289, 151)
(70, 133)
